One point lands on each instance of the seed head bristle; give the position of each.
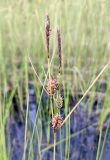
(59, 48)
(47, 32)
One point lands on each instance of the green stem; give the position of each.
(99, 143)
(54, 154)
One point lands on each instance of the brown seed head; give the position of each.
(52, 86)
(57, 122)
(47, 32)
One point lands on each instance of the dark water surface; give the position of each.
(82, 146)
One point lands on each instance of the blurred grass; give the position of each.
(85, 33)
(85, 26)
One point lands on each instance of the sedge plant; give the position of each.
(53, 84)
(53, 87)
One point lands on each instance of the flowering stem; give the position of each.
(54, 154)
(47, 32)
(49, 72)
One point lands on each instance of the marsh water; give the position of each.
(82, 144)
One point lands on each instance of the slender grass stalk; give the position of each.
(99, 143)
(60, 145)
(67, 124)
(27, 110)
(102, 71)
(9, 105)
(37, 74)
(103, 117)
(39, 144)
(105, 138)
(31, 139)
(3, 151)
(54, 153)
